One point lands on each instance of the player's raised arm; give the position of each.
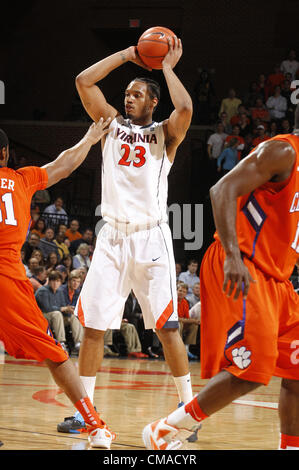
(271, 160)
(91, 95)
(180, 119)
(72, 158)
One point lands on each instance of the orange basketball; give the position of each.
(153, 46)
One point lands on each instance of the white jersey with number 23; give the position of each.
(134, 176)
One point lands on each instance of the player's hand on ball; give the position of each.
(174, 54)
(134, 57)
(98, 130)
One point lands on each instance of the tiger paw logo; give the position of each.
(241, 357)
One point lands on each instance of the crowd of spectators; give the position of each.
(263, 111)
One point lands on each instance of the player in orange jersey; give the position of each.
(24, 330)
(250, 311)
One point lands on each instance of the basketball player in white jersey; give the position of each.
(134, 248)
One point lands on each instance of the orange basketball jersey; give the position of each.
(268, 222)
(16, 191)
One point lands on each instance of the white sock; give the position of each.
(89, 385)
(184, 388)
(180, 419)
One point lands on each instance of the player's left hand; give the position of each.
(175, 52)
(134, 57)
(236, 277)
(98, 130)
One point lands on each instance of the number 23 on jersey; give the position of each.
(139, 156)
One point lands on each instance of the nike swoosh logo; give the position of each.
(155, 259)
(159, 34)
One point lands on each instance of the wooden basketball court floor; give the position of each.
(129, 394)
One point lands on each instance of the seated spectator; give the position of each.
(30, 244)
(61, 246)
(230, 104)
(51, 262)
(260, 111)
(41, 197)
(51, 301)
(38, 254)
(64, 274)
(131, 338)
(215, 142)
(227, 127)
(190, 277)
(83, 273)
(273, 129)
(287, 91)
(236, 135)
(248, 145)
(228, 158)
(275, 79)
(54, 214)
(71, 291)
(133, 314)
(188, 327)
(81, 259)
(261, 137)
(34, 213)
(178, 269)
(87, 237)
(72, 233)
(252, 95)
(277, 104)
(39, 227)
(32, 264)
(286, 127)
(62, 228)
(203, 97)
(236, 119)
(67, 261)
(47, 244)
(109, 345)
(262, 87)
(193, 298)
(244, 125)
(290, 64)
(39, 277)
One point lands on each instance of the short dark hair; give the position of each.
(192, 261)
(55, 276)
(3, 139)
(39, 269)
(152, 86)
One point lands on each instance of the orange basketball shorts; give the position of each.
(255, 338)
(23, 328)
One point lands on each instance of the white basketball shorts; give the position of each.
(142, 261)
